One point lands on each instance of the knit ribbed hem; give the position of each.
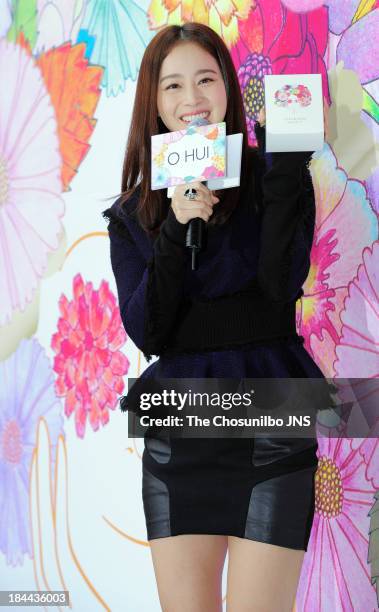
(229, 320)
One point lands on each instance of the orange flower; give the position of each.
(221, 17)
(74, 88)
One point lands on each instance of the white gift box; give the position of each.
(294, 112)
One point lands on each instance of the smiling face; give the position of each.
(197, 87)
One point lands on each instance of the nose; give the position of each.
(192, 95)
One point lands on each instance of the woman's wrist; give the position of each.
(175, 230)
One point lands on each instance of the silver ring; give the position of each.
(190, 193)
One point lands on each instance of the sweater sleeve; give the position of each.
(287, 224)
(149, 293)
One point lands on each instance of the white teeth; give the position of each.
(189, 118)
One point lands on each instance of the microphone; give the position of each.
(196, 227)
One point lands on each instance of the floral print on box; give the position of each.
(290, 94)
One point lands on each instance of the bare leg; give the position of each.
(188, 570)
(261, 577)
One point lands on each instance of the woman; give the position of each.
(233, 317)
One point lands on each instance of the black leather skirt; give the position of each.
(214, 486)
(255, 488)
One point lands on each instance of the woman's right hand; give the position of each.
(185, 210)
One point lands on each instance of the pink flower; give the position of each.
(357, 354)
(89, 364)
(212, 172)
(335, 573)
(358, 349)
(273, 40)
(281, 95)
(31, 206)
(347, 534)
(303, 6)
(342, 208)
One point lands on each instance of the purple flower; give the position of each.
(26, 394)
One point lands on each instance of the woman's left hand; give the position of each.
(262, 116)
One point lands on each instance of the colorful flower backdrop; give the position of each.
(68, 72)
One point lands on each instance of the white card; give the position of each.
(233, 166)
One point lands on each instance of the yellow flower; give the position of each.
(159, 157)
(218, 162)
(220, 16)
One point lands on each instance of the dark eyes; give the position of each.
(205, 79)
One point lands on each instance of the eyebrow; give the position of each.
(176, 75)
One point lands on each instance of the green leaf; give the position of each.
(24, 20)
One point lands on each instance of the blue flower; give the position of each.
(117, 34)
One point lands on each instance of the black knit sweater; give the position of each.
(249, 276)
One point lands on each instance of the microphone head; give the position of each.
(199, 121)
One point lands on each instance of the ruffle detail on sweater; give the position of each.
(123, 401)
(295, 339)
(117, 223)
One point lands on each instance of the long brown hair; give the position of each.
(153, 205)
